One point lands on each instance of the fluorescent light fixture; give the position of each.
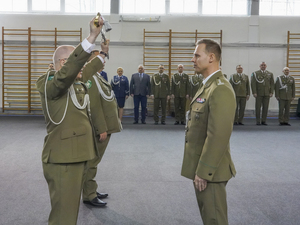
(140, 19)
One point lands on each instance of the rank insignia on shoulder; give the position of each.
(50, 77)
(200, 100)
(88, 84)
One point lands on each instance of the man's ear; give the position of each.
(212, 57)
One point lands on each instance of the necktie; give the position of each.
(141, 77)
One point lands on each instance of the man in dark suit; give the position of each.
(140, 90)
(207, 159)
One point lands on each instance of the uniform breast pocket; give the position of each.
(198, 112)
(73, 140)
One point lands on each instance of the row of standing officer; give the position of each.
(262, 87)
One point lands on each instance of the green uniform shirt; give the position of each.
(262, 83)
(195, 83)
(180, 84)
(285, 87)
(240, 84)
(160, 85)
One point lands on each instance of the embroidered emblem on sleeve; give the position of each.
(88, 84)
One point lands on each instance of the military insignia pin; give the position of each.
(200, 100)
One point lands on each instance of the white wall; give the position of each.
(246, 40)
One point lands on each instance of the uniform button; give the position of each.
(209, 174)
(186, 141)
(75, 55)
(189, 118)
(74, 133)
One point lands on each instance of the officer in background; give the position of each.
(51, 66)
(195, 84)
(160, 89)
(69, 142)
(179, 91)
(241, 87)
(105, 121)
(262, 86)
(285, 94)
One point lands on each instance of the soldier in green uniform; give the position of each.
(105, 121)
(262, 86)
(207, 160)
(160, 89)
(195, 84)
(285, 94)
(241, 87)
(179, 91)
(69, 142)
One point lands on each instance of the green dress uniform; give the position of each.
(285, 91)
(262, 84)
(69, 141)
(241, 87)
(180, 88)
(160, 88)
(207, 151)
(104, 111)
(195, 84)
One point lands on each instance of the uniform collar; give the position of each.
(207, 78)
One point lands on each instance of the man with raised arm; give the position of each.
(69, 142)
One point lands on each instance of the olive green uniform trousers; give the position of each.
(240, 109)
(212, 203)
(65, 184)
(261, 102)
(90, 186)
(284, 111)
(179, 104)
(163, 104)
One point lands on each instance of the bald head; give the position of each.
(61, 54)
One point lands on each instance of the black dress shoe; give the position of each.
(281, 124)
(102, 195)
(235, 123)
(258, 124)
(264, 123)
(143, 122)
(135, 122)
(241, 123)
(182, 123)
(176, 123)
(287, 124)
(163, 123)
(96, 202)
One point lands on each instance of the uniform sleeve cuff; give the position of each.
(102, 60)
(87, 46)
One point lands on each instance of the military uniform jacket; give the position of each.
(240, 84)
(180, 85)
(209, 127)
(104, 107)
(262, 84)
(72, 140)
(195, 83)
(160, 85)
(120, 86)
(285, 87)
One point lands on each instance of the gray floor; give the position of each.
(141, 173)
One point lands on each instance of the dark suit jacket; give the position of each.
(138, 87)
(104, 75)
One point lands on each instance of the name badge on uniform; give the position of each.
(200, 100)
